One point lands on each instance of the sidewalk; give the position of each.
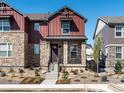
(59, 87)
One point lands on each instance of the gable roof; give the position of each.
(85, 19)
(5, 2)
(43, 16)
(110, 20)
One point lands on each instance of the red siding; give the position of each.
(77, 25)
(17, 20)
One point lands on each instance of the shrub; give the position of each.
(11, 71)
(37, 73)
(122, 79)
(2, 74)
(81, 70)
(65, 75)
(75, 72)
(1, 70)
(104, 78)
(118, 67)
(21, 71)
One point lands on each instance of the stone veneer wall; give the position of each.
(111, 57)
(78, 59)
(110, 61)
(82, 56)
(19, 41)
(44, 54)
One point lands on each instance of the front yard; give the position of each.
(21, 76)
(36, 76)
(77, 77)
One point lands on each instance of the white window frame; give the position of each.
(122, 31)
(65, 28)
(3, 25)
(7, 56)
(36, 24)
(119, 52)
(74, 51)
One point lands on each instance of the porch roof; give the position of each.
(66, 37)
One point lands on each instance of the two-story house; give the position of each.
(111, 31)
(42, 39)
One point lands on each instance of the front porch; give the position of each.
(65, 53)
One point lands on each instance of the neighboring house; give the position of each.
(89, 52)
(111, 30)
(42, 39)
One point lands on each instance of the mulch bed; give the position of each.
(63, 81)
(31, 80)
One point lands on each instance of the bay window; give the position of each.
(5, 50)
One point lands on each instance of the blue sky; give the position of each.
(91, 9)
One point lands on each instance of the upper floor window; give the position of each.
(118, 52)
(5, 50)
(65, 27)
(4, 25)
(36, 26)
(119, 31)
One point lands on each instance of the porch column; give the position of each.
(65, 52)
(83, 54)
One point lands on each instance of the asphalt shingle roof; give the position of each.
(37, 16)
(113, 19)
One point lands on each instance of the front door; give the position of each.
(54, 53)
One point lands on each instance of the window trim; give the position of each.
(74, 51)
(2, 25)
(7, 43)
(62, 27)
(122, 31)
(119, 52)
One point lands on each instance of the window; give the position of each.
(74, 51)
(4, 25)
(5, 50)
(36, 48)
(65, 27)
(119, 31)
(118, 52)
(36, 26)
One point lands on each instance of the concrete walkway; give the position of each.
(49, 81)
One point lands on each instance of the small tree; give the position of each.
(96, 51)
(65, 75)
(118, 67)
